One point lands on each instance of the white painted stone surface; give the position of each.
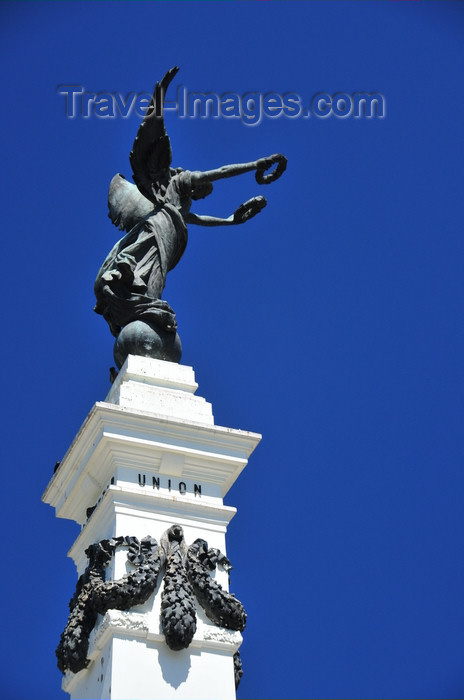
(164, 388)
(150, 456)
(174, 675)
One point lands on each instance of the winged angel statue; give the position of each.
(155, 212)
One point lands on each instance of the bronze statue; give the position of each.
(155, 213)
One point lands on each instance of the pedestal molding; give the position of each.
(112, 436)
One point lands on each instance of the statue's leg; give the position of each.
(156, 280)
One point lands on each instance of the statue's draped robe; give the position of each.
(132, 278)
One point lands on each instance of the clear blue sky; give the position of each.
(332, 323)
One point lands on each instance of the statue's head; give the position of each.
(198, 192)
(202, 191)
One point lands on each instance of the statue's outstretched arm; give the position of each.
(201, 220)
(244, 212)
(260, 165)
(199, 178)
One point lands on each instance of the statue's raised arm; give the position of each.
(154, 213)
(260, 166)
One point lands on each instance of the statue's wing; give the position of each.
(127, 206)
(151, 153)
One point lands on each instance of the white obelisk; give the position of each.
(150, 457)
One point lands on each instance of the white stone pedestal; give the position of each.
(150, 457)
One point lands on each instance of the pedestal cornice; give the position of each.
(114, 436)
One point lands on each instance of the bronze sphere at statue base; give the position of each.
(140, 338)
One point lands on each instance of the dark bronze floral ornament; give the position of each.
(94, 595)
(186, 578)
(178, 618)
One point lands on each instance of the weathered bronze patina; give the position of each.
(155, 212)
